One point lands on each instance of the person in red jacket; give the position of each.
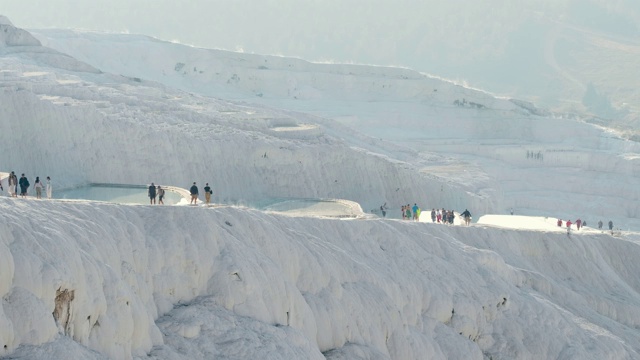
(578, 223)
(559, 223)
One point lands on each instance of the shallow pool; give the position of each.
(311, 207)
(115, 194)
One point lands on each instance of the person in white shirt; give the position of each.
(38, 186)
(12, 185)
(48, 188)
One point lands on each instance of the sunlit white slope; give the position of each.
(79, 126)
(107, 129)
(252, 76)
(15, 40)
(230, 282)
(502, 153)
(191, 282)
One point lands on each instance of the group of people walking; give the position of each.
(157, 191)
(442, 216)
(579, 223)
(23, 183)
(411, 213)
(194, 193)
(610, 225)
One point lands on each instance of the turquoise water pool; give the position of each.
(115, 194)
(311, 207)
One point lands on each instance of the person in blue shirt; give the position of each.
(416, 213)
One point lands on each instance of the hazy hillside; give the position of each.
(542, 51)
(94, 118)
(499, 153)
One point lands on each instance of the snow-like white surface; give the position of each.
(499, 153)
(193, 282)
(96, 280)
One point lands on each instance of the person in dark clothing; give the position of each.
(207, 193)
(24, 185)
(600, 224)
(152, 194)
(194, 193)
(466, 215)
(611, 225)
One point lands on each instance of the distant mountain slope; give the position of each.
(250, 76)
(20, 43)
(546, 52)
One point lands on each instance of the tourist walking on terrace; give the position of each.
(466, 215)
(578, 224)
(38, 186)
(24, 185)
(49, 188)
(194, 194)
(416, 212)
(207, 193)
(599, 224)
(160, 195)
(11, 185)
(611, 226)
(152, 194)
(14, 183)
